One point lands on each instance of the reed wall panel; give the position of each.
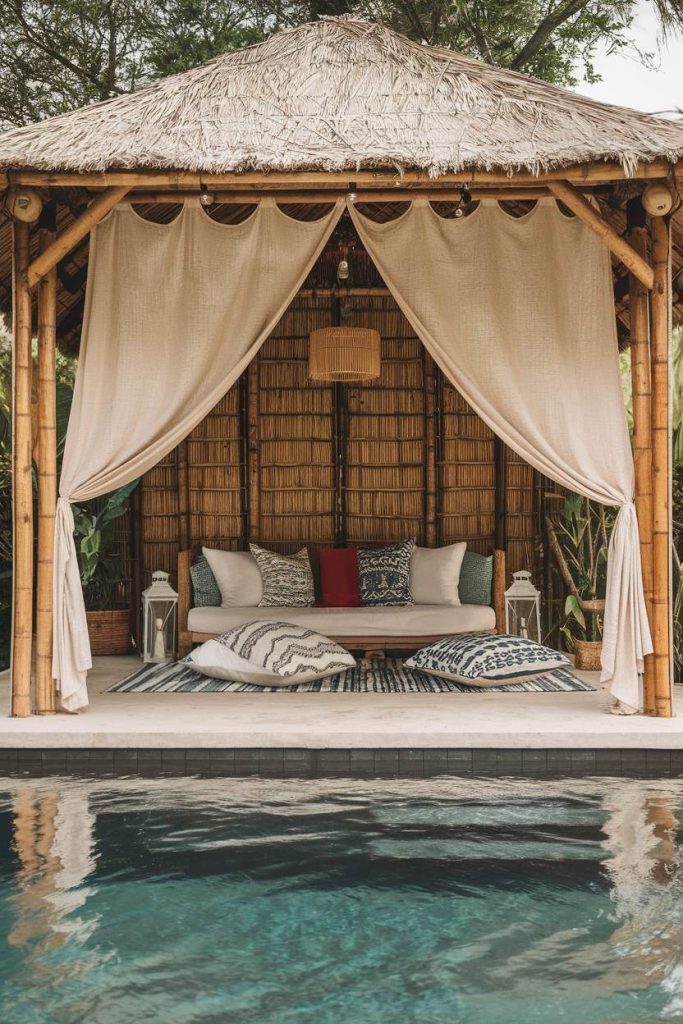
(297, 463)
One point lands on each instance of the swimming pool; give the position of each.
(261, 901)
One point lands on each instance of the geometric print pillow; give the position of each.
(205, 592)
(287, 579)
(270, 654)
(483, 660)
(384, 574)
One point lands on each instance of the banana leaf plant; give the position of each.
(98, 555)
(579, 539)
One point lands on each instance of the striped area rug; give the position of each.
(389, 676)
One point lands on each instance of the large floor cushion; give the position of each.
(414, 620)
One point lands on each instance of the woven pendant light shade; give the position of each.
(344, 354)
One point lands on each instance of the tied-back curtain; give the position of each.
(519, 315)
(173, 314)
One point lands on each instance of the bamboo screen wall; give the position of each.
(285, 462)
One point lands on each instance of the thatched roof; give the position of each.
(342, 94)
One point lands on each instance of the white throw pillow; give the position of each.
(481, 660)
(270, 654)
(435, 572)
(237, 576)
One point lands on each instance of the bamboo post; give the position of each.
(183, 482)
(46, 697)
(660, 335)
(641, 386)
(500, 471)
(253, 449)
(22, 479)
(430, 450)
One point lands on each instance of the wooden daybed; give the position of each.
(465, 619)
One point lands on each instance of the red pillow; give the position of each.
(339, 585)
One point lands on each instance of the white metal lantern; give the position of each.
(159, 619)
(523, 607)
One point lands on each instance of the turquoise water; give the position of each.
(340, 902)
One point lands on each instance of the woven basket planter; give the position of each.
(587, 655)
(109, 631)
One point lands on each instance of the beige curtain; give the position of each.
(173, 314)
(519, 315)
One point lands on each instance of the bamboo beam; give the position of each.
(314, 197)
(72, 235)
(500, 471)
(46, 697)
(660, 338)
(253, 450)
(579, 205)
(429, 374)
(22, 480)
(580, 173)
(641, 387)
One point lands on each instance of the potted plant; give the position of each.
(579, 539)
(107, 612)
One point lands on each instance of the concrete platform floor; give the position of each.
(335, 720)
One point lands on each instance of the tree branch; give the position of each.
(544, 31)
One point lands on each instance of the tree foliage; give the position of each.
(56, 55)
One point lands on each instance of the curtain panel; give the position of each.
(519, 315)
(173, 314)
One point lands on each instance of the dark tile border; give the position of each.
(351, 763)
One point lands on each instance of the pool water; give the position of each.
(259, 901)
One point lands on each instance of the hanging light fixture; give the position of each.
(344, 354)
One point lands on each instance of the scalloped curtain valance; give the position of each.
(518, 313)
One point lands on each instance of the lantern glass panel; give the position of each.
(522, 617)
(160, 629)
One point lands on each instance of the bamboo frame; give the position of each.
(254, 516)
(641, 386)
(75, 232)
(580, 173)
(46, 697)
(240, 197)
(22, 480)
(660, 338)
(580, 206)
(183, 482)
(430, 450)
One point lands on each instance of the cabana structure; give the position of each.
(343, 114)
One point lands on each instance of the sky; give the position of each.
(627, 82)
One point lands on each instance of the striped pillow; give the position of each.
(205, 591)
(287, 579)
(481, 660)
(384, 574)
(270, 654)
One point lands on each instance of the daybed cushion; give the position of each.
(384, 574)
(416, 620)
(287, 579)
(487, 660)
(270, 654)
(237, 576)
(434, 574)
(476, 578)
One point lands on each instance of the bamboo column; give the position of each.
(183, 482)
(22, 482)
(660, 336)
(501, 494)
(641, 387)
(430, 450)
(46, 698)
(253, 450)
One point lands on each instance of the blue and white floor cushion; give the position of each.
(483, 660)
(270, 654)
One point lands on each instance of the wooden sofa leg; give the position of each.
(184, 646)
(374, 654)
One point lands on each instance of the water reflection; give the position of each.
(567, 887)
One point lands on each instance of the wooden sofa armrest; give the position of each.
(185, 560)
(498, 589)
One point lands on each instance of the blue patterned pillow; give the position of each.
(384, 574)
(482, 660)
(205, 592)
